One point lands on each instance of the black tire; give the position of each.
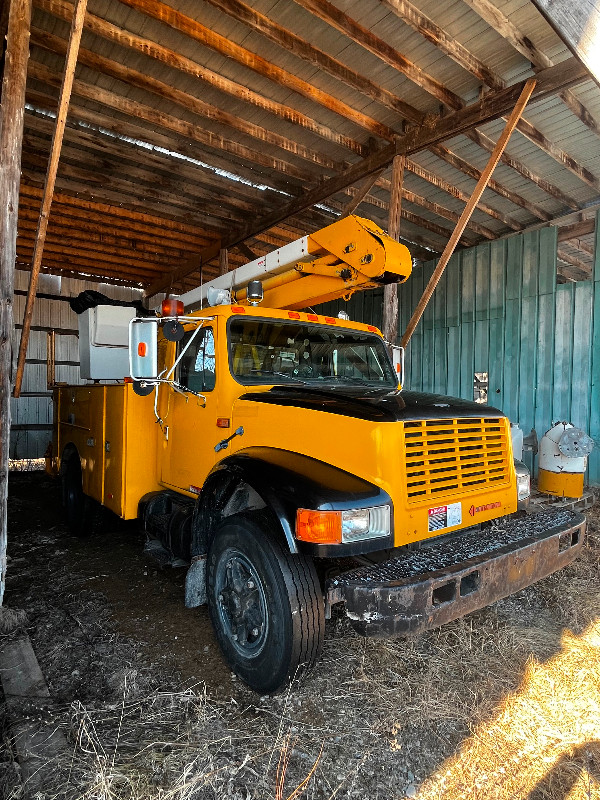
(81, 512)
(266, 605)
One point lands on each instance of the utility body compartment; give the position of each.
(114, 432)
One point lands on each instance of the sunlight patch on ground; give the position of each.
(543, 738)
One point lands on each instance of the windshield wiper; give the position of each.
(280, 374)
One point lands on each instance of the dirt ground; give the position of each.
(502, 704)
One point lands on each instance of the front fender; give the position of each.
(282, 482)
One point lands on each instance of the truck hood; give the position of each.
(372, 404)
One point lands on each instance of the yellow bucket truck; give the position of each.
(274, 451)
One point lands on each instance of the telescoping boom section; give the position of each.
(350, 255)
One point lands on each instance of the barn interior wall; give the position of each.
(499, 310)
(31, 413)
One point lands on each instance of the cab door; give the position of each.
(191, 430)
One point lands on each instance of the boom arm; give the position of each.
(350, 255)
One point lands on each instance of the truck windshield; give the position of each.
(268, 352)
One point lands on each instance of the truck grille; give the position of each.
(445, 456)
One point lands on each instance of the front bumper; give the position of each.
(445, 580)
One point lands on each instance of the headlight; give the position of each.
(334, 527)
(523, 481)
(365, 523)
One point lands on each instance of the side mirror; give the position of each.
(398, 361)
(143, 353)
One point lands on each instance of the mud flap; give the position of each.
(195, 583)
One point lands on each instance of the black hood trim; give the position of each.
(373, 405)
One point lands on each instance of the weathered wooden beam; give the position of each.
(577, 229)
(545, 185)
(189, 102)
(246, 252)
(360, 194)
(469, 208)
(448, 44)
(493, 105)
(342, 22)
(186, 182)
(412, 16)
(153, 116)
(61, 119)
(171, 58)
(390, 291)
(524, 45)
(11, 132)
(99, 246)
(73, 255)
(464, 166)
(86, 171)
(361, 35)
(117, 216)
(569, 258)
(202, 34)
(91, 91)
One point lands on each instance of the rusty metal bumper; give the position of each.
(447, 579)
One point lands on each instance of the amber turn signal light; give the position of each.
(223, 422)
(141, 349)
(172, 308)
(321, 527)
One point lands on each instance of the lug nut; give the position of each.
(220, 598)
(251, 584)
(234, 637)
(255, 631)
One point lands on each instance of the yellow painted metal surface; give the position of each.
(115, 434)
(561, 484)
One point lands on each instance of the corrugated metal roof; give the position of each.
(99, 165)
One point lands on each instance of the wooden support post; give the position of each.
(11, 138)
(390, 292)
(223, 261)
(469, 208)
(61, 119)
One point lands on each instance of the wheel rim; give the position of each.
(241, 603)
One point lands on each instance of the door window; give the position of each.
(197, 368)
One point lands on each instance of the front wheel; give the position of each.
(266, 605)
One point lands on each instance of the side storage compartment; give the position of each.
(80, 412)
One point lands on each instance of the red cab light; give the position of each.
(293, 315)
(238, 309)
(312, 317)
(372, 328)
(142, 349)
(223, 422)
(172, 308)
(330, 320)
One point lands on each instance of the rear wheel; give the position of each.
(81, 511)
(265, 603)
